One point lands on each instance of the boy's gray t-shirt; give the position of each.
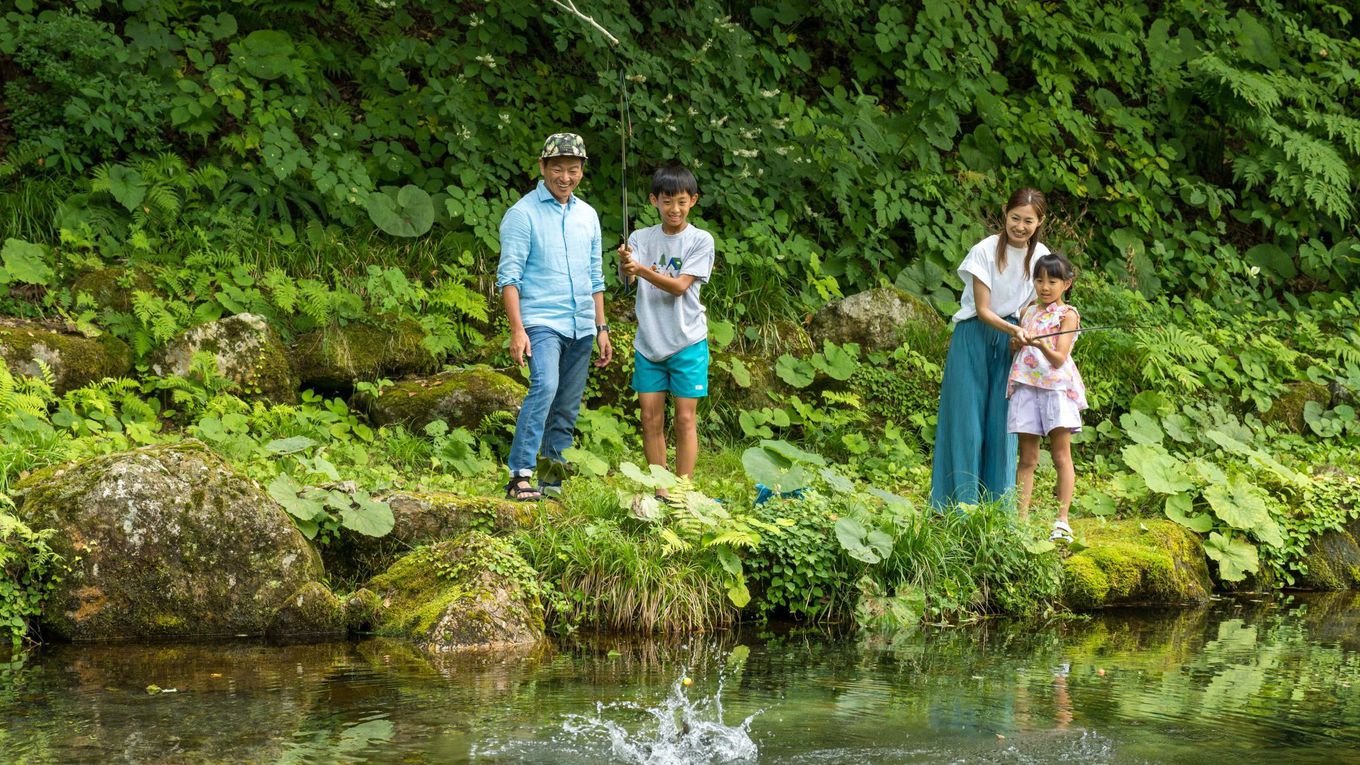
(670, 323)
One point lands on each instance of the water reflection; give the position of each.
(1265, 679)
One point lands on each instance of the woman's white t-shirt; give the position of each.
(1011, 289)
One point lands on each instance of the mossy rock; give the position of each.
(164, 541)
(75, 360)
(473, 592)
(247, 350)
(335, 357)
(362, 609)
(1331, 562)
(1149, 562)
(724, 389)
(112, 288)
(1287, 411)
(462, 398)
(420, 518)
(876, 319)
(312, 611)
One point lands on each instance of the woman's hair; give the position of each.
(1020, 198)
(1055, 265)
(674, 179)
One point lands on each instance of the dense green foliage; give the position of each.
(164, 164)
(1182, 143)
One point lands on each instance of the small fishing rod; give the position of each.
(1092, 329)
(1121, 326)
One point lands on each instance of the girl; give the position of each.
(1046, 391)
(974, 454)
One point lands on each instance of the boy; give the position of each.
(673, 260)
(551, 277)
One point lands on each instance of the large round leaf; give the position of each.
(408, 212)
(1161, 472)
(1236, 558)
(266, 53)
(773, 471)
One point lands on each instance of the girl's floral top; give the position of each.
(1031, 367)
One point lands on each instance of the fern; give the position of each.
(282, 289)
(1171, 353)
(316, 301)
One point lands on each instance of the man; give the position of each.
(551, 277)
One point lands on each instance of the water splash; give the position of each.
(680, 731)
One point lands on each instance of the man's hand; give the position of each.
(606, 349)
(519, 347)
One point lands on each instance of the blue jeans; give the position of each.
(558, 368)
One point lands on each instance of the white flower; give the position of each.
(779, 123)
(746, 153)
(1255, 270)
(475, 21)
(770, 93)
(487, 59)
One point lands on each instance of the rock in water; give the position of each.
(472, 592)
(166, 541)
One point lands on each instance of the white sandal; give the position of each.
(1061, 530)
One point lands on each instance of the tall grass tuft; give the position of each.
(612, 573)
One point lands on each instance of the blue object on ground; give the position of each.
(765, 494)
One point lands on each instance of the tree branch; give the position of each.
(570, 6)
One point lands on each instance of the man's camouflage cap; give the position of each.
(563, 145)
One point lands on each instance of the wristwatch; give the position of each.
(601, 327)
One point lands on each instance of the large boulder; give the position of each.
(165, 541)
(335, 357)
(1133, 562)
(1287, 410)
(420, 517)
(473, 592)
(462, 398)
(74, 360)
(876, 319)
(248, 352)
(112, 288)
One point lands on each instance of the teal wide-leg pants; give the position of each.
(974, 455)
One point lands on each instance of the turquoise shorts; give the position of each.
(684, 374)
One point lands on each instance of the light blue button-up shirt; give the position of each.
(552, 253)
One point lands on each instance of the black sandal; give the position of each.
(521, 489)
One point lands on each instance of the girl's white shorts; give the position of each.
(1037, 411)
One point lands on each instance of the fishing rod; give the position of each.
(625, 125)
(625, 132)
(1122, 326)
